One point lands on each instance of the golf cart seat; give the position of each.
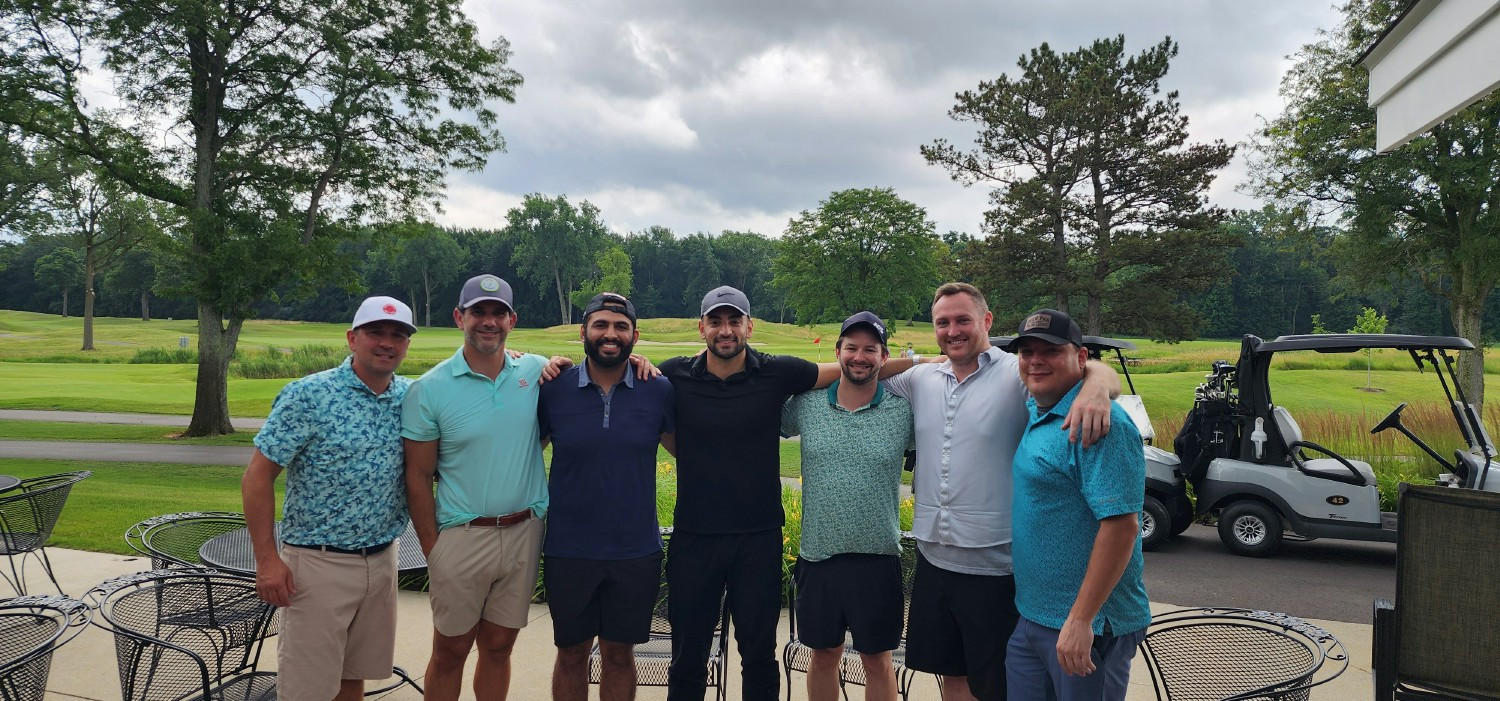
(1336, 467)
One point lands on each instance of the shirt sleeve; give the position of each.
(288, 428)
(801, 374)
(668, 404)
(789, 425)
(900, 383)
(544, 426)
(418, 422)
(1112, 473)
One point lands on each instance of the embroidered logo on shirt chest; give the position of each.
(522, 383)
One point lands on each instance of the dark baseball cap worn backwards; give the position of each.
(610, 302)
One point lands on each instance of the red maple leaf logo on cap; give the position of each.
(389, 309)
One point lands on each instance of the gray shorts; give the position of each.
(1032, 670)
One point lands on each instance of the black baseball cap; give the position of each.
(865, 319)
(1050, 325)
(609, 302)
(486, 287)
(725, 296)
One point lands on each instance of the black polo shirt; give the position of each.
(728, 436)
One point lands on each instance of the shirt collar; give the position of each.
(1059, 409)
(584, 380)
(459, 365)
(346, 374)
(833, 395)
(989, 355)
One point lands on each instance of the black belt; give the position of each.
(368, 551)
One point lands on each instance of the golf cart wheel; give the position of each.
(1156, 523)
(1250, 528)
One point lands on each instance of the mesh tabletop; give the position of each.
(232, 552)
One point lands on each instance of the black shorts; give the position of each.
(852, 592)
(959, 625)
(610, 599)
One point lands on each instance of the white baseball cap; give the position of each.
(383, 309)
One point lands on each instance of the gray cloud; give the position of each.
(733, 115)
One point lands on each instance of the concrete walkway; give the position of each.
(85, 668)
(99, 417)
(128, 452)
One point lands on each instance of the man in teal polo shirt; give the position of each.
(473, 420)
(1077, 546)
(854, 437)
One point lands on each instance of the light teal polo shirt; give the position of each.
(851, 471)
(489, 453)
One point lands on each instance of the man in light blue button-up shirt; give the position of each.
(969, 413)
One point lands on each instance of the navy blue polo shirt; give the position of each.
(603, 481)
(728, 441)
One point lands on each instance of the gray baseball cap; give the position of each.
(486, 287)
(725, 296)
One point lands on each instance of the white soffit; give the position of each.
(1439, 58)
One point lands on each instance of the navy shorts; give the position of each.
(855, 593)
(609, 599)
(1032, 670)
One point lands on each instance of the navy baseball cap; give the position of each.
(725, 296)
(1050, 325)
(610, 302)
(486, 287)
(865, 319)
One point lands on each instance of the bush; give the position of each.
(275, 363)
(164, 356)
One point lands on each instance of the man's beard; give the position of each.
(738, 349)
(591, 349)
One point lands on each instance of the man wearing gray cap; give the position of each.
(854, 437)
(337, 434)
(473, 418)
(726, 540)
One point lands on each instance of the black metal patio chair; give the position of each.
(1440, 638)
(31, 628)
(27, 517)
(653, 658)
(1225, 654)
(796, 656)
(173, 540)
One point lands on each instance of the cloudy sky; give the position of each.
(704, 115)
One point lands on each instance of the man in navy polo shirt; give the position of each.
(603, 547)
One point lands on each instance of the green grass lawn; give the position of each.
(112, 433)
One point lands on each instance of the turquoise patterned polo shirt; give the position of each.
(340, 444)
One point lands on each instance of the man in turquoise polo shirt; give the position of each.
(337, 433)
(473, 420)
(854, 437)
(1077, 546)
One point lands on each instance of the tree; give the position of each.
(135, 274)
(863, 249)
(1430, 208)
(655, 260)
(1101, 196)
(700, 272)
(23, 179)
(611, 274)
(288, 123)
(555, 245)
(59, 272)
(1369, 321)
(427, 257)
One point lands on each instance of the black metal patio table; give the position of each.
(232, 552)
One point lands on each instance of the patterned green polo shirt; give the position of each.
(851, 471)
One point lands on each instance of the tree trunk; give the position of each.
(65, 302)
(145, 305)
(1468, 321)
(88, 298)
(216, 343)
(562, 297)
(427, 291)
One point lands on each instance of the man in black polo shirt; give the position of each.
(726, 538)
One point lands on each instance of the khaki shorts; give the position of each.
(341, 624)
(483, 572)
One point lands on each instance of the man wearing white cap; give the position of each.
(337, 434)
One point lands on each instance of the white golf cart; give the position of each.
(1250, 464)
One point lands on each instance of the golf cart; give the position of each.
(1167, 511)
(1250, 464)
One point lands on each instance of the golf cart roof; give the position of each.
(1092, 342)
(1350, 342)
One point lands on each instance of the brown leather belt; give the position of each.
(505, 521)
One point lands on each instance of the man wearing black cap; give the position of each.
(603, 547)
(854, 436)
(726, 539)
(1076, 546)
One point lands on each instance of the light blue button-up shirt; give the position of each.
(340, 444)
(967, 433)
